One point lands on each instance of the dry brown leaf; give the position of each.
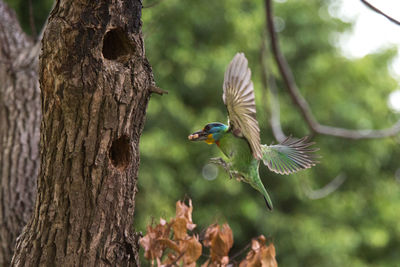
(224, 260)
(255, 244)
(210, 233)
(153, 249)
(192, 250)
(260, 254)
(187, 253)
(171, 260)
(182, 249)
(168, 243)
(268, 256)
(220, 241)
(183, 211)
(179, 227)
(251, 260)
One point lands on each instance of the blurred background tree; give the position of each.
(189, 44)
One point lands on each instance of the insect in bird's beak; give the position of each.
(198, 136)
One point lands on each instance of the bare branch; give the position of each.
(277, 128)
(157, 90)
(380, 12)
(328, 189)
(268, 81)
(302, 104)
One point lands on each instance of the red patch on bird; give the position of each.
(217, 142)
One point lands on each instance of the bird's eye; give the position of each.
(207, 128)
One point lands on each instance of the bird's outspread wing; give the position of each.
(289, 156)
(238, 97)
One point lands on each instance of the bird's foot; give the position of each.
(224, 164)
(220, 161)
(238, 176)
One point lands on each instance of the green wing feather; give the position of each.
(289, 156)
(238, 97)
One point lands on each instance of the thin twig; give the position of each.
(176, 260)
(328, 189)
(240, 252)
(302, 104)
(380, 12)
(153, 4)
(32, 20)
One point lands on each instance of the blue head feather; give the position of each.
(216, 129)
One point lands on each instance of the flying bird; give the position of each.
(240, 139)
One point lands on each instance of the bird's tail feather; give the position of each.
(268, 202)
(259, 186)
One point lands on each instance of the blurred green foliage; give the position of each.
(189, 44)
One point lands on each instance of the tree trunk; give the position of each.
(95, 85)
(19, 130)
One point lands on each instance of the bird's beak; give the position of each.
(198, 136)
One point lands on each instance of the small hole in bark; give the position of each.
(117, 46)
(120, 153)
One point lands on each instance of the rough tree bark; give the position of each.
(19, 129)
(95, 85)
